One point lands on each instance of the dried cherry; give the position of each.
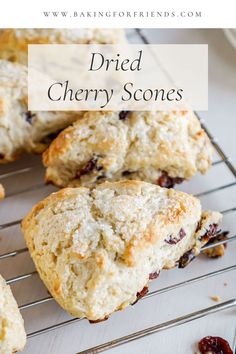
(214, 345)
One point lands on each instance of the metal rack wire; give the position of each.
(158, 327)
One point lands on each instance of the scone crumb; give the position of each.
(216, 298)
(225, 284)
(2, 192)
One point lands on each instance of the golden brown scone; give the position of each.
(219, 250)
(14, 42)
(20, 129)
(96, 249)
(215, 252)
(157, 147)
(2, 192)
(12, 332)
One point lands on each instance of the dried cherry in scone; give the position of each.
(214, 345)
(165, 181)
(212, 231)
(89, 167)
(173, 240)
(29, 117)
(140, 294)
(168, 182)
(154, 275)
(123, 115)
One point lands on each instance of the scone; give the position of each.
(21, 130)
(157, 147)
(96, 249)
(12, 332)
(14, 42)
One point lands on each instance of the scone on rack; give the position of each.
(14, 42)
(157, 147)
(20, 129)
(96, 249)
(12, 332)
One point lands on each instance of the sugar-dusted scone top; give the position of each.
(138, 145)
(21, 130)
(95, 249)
(12, 332)
(14, 42)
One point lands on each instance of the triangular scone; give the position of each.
(20, 129)
(156, 147)
(12, 332)
(96, 249)
(14, 42)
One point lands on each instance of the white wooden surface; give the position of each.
(180, 340)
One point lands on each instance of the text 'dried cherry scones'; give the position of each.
(96, 249)
(156, 147)
(12, 332)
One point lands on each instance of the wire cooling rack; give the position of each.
(24, 187)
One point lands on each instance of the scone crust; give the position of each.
(139, 147)
(94, 249)
(12, 332)
(14, 42)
